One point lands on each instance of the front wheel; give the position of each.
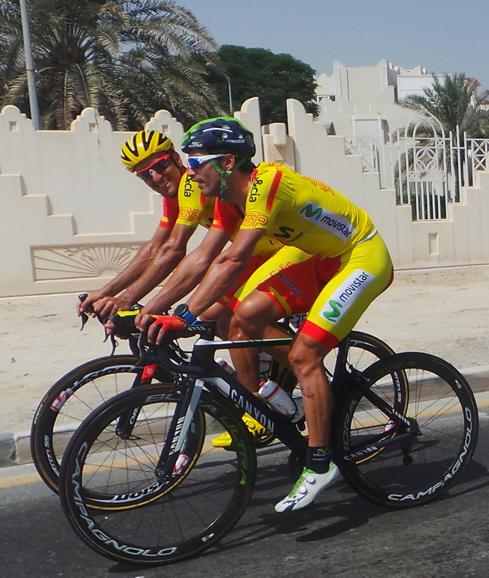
(408, 465)
(159, 521)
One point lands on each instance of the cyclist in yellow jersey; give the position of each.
(347, 268)
(226, 221)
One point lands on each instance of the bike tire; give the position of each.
(70, 399)
(189, 517)
(419, 469)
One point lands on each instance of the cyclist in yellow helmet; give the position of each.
(151, 156)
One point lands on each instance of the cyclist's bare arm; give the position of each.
(136, 267)
(190, 271)
(225, 269)
(164, 262)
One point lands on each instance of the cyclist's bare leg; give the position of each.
(221, 315)
(254, 318)
(306, 359)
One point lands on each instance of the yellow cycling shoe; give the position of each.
(255, 428)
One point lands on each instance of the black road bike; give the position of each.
(141, 484)
(72, 397)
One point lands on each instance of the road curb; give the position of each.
(14, 449)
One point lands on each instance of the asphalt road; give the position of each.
(341, 535)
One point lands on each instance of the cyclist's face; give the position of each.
(162, 173)
(203, 171)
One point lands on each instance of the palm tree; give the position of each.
(454, 102)
(127, 59)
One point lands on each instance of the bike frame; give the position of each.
(202, 372)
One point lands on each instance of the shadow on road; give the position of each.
(338, 511)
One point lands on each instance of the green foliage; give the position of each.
(271, 77)
(455, 101)
(481, 126)
(127, 59)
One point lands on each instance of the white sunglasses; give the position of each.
(197, 162)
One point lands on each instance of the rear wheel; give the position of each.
(158, 520)
(402, 466)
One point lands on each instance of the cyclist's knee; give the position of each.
(249, 319)
(256, 312)
(306, 355)
(239, 327)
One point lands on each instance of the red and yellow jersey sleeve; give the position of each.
(263, 203)
(169, 213)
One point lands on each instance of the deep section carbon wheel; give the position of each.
(150, 519)
(71, 399)
(401, 465)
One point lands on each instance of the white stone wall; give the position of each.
(71, 216)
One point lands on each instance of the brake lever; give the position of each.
(83, 316)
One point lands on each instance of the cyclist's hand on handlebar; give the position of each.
(95, 304)
(84, 305)
(107, 306)
(157, 325)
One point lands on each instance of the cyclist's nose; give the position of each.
(155, 177)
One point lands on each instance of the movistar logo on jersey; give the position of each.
(345, 295)
(331, 222)
(333, 313)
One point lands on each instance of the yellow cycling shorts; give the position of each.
(336, 291)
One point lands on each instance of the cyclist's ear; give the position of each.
(228, 162)
(177, 160)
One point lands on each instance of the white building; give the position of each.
(362, 102)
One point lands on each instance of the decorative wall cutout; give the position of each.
(79, 261)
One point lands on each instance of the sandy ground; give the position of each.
(442, 311)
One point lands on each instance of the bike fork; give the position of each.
(179, 428)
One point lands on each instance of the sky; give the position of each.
(444, 36)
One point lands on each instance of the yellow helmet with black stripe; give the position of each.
(142, 145)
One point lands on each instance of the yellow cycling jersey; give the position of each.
(303, 212)
(196, 209)
(193, 208)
